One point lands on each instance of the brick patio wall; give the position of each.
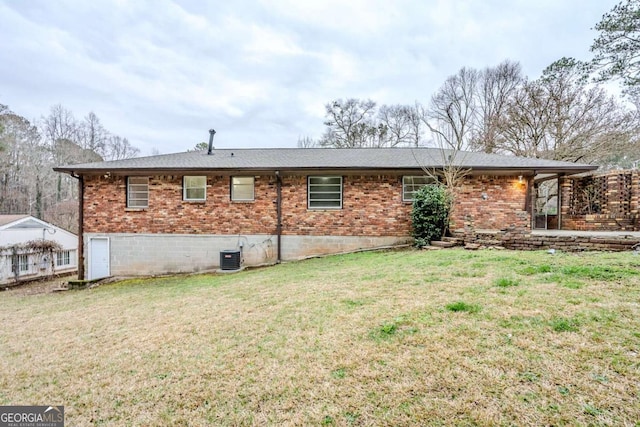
(602, 202)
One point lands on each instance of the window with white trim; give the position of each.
(20, 264)
(324, 192)
(63, 258)
(242, 188)
(137, 192)
(194, 188)
(411, 184)
(24, 263)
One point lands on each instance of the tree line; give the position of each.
(558, 116)
(565, 114)
(29, 151)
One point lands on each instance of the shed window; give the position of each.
(194, 188)
(411, 184)
(20, 264)
(242, 188)
(137, 192)
(325, 192)
(63, 258)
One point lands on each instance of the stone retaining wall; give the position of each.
(524, 240)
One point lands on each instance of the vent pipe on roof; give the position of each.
(211, 133)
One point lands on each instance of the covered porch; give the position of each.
(604, 202)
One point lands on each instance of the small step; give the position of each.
(442, 244)
(431, 248)
(456, 240)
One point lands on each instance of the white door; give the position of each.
(98, 258)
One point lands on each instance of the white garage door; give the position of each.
(98, 258)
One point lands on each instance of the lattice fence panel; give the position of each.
(609, 194)
(624, 194)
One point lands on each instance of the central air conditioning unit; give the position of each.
(230, 260)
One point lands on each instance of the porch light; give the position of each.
(520, 179)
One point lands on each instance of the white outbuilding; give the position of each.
(31, 248)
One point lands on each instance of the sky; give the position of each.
(163, 72)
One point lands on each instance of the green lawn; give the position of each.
(393, 338)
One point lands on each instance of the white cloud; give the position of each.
(163, 72)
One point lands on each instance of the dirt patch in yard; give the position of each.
(41, 286)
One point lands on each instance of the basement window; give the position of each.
(242, 188)
(194, 188)
(411, 185)
(324, 192)
(137, 192)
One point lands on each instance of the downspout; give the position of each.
(80, 225)
(279, 215)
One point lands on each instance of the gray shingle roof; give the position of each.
(7, 219)
(295, 159)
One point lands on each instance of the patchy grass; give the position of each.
(463, 306)
(561, 324)
(506, 282)
(385, 338)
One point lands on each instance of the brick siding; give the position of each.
(106, 211)
(490, 202)
(372, 206)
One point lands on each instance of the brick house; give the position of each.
(177, 212)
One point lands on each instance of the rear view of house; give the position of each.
(31, 248)
(178, 212)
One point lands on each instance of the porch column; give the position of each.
(634, 205)
(565, 194)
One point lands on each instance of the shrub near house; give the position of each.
(430, 214)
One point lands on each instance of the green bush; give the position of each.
(430, 214)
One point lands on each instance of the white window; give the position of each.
(325, 192)
(242, 188)
(411, 184)
(24, 263)
(63, 258)
(20, 264)
(194, 188)
(137, 192)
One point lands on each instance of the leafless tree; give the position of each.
(452, 114)
(416, 125)
(397, 120)
(28, 183)
(59, 125)
(23, 167)
(93, 136)
(524, 122)
(586, 122)
(307, 142)
(355, 123)
(350, 124)
(496, 88)
(120, 148)
(561, 117)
